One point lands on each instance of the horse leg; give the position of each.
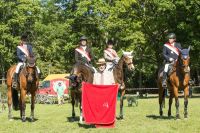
(73, 104)
(170, 104)
(20, 106)
(23, 104)
(81, 114)
(121, 116)
(9, 103)
(161, 100)
(32, 106)
(176, 102)
(186, 94)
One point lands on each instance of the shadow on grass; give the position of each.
(76, 119)
(27, 119)
(194, 97)
(155, 117)
(86, 126)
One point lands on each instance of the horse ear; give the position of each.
(180, 50)
(131, 52)
(189, 49)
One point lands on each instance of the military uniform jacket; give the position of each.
(170, 51)
(83, 56)
(24, 51)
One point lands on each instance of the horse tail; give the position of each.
(15, 99)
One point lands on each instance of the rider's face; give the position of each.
(83, 42)
(102, 67)
(110, 46)
(172, 40)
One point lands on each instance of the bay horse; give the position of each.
(118, 73)
(27, 83)
(178, 79)
(80, 72)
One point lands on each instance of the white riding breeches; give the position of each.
(23, 64)
(38, 70)
(18, 67)
(166, 67)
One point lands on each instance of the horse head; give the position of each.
(184, 59)
(30, 69)
(128, 59)
(77, 75)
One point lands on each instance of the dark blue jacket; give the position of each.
(80, 59)
(169, 53)
(21, 55)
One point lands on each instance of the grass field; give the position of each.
(141, 119)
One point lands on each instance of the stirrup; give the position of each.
(14, 84)
(164, 84)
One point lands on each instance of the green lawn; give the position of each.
(142, 119)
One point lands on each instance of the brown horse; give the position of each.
(80, 72)
(178, 79)
(118, 73)
(28, 83)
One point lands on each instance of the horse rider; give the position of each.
(83, 54)
(110, 55)
(24, 50)
(170, 53)
(103, 76)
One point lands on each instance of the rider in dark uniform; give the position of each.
(24, 50)
(83, 53)
(170, 53)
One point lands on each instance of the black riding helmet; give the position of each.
(110, 42)
(171, 36)
(83, 38)
(24, 37)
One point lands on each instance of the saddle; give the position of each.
(30, 63)
(170, 70)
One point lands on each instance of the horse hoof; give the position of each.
(169, 115)
(81, 122)
(121, 117)
(178, 117)
(72, 119)
(23, 119)
(185, 116)
(32, 119)
(161, 113)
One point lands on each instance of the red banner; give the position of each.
(99, 104)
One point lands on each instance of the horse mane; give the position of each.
(118, 72)
(177, 65)
(82, 69)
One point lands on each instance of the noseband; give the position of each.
(185, 67)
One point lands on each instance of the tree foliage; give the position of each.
(54, 28)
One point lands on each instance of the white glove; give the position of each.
(171, 59)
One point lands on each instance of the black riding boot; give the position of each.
(164, 81)
(14, 83)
